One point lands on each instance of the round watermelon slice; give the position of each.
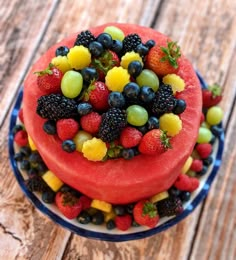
(116, 181)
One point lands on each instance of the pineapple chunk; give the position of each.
(102, 205)
(52, 181)
(159, 196)
(109, 215)
(31, 144)
(187, 165)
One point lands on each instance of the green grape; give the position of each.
(80, 138)
(148, 78)
(204, 135)
(137, 115)
(214, 115)
(71, 84)
(115, 32)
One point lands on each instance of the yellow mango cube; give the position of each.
(52, 181)
(101, 205)
(159, 196)
(187, 165)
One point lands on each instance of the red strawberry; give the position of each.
(97, 95)
(85, 201)
(69, 205)
(21, 138)
(49, 80)
(186, 183)
(67, 128)
(20, 115)
(204, 150)
(163, 59)
(196, 165)
(145, 213)
(211, 96)
(154, 142)
(202, 118)
(123, 222)
(130, 137)
(91, 122)
(104, 63)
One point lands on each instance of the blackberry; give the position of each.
(84, 38)
(36, 183)
(113, 121)
(56, 106)
(164, 101)
(169, 206)
(130, 42)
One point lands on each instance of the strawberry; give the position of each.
(49, 80)
(211, 96)
(21, 138)
(91, 122)
(145, 213)
(196, 165)
(154, 142)
(163, 60)
(67, 128)
(204, 150)
(97, 95)
(130, 137)
(123, 222)
(69, 205)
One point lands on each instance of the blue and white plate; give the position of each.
(100, 232)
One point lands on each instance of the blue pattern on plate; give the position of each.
(102, 235)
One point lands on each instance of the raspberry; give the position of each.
(20, 115)
(94, 149)
(85, 201)
(79, 57)
(129, 57)
(67, 128)
(169, 206)
(204, 150)
(171, 123)
(194, 184)
(130, 137)
(91, 122)
(21, 138)
(196, 165)
(123, 222)
(176, 82)
(186, 183)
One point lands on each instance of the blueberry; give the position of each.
(117, 46)
(179, 107)
(116, 99)
(35, 159)
(135, 68)
(32, 172)
(25, 150)
(96, 48)
(84, 108)
(185, 196)
(213, 139)
(119, 210)
(203, 171)
(131, 91)
(143, 129)
(25, 165)
(84, 217)
(216, 130)
(62, 51)
(105, 39)
(135, 224)
(129, 208)
(152, 123)
(127, 154)
(142, 50)
(68, 146)
(18, 157)
(89, 74)
(208, 161)
(146, 94)
(16, 129)
(98, 218)
(173, 191)
(48, 196)
(41, 168)
(65, 188)
(110, 224)
(50, 127)
(150, 43)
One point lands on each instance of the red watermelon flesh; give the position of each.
(116, 181)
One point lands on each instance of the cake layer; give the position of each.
(116, 181)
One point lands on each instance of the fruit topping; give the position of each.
(83, 61)
(211, 96)
(170, 123)
(177, 84)
(169, 207)
(52, 181)
(130, 137)
(131, 42)
(67, 128)
(123, 222)
(84, 38)
(94, 149)
(91, 122)
(130, 57)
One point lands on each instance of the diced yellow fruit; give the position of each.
(159, 196)
(62, 63)
(187, 165)
(79, 57)
(171, 123)
(31, 144)
(52, 181)
(129, 57)
(117, 78)
(101, 205)
(176, 82)
(109, 215)
(94, 149)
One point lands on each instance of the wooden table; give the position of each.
(206, 30)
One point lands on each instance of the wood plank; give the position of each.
(22, 25)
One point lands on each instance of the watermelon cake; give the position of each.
(114, 113)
